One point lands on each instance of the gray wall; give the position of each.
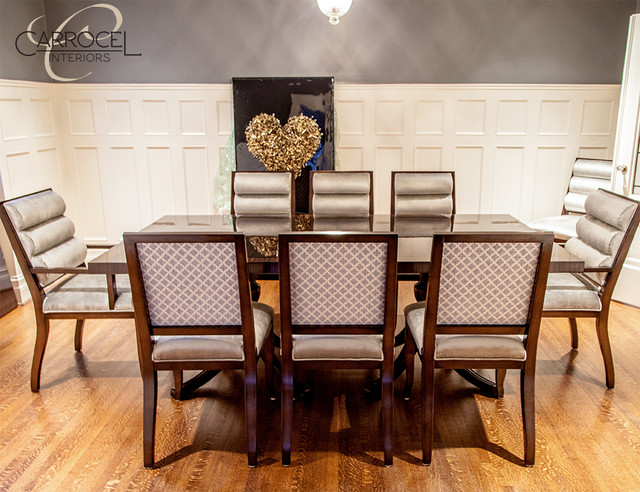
(378, 41)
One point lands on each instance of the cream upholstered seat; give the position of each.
(193, 311)
(341, 193)
(588, 176)
(422, 193)
(43, 240)
(483, 310)
(337, 310)
(604, 236)
(262, 193)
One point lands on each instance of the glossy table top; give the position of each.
(414, 233)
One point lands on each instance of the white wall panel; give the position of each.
(91, 192)
(470, 117)
(551, 180)
(14, 126)
(512, 118)
(19, 172)
(192, 118)
(597, 118)
(429, 118)
(121, 194)
(156, 117)
(389, 118)
(118, 115)
(224, 112)
(350, 117)
(46, 170)
(161, 182)
(508, 172)
(42, 118)
(428, 159)
(81, 117)
(555, 117)
(467, 164)
(198, 179)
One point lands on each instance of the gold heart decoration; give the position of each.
(283, 148)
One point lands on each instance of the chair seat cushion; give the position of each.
(337, 347)
(486, 347)
(570, 292)
(82, 293)
(213, 347)
(560, 225)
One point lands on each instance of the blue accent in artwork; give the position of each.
(319, 118)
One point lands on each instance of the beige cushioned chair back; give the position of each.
(486, 283)
(588, 176)
(262, 193)
(46, 235)
(190, 284)
(602, 230)
(338, 283)
(427, 194)
(341, 194)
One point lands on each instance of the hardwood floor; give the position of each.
(83, 431)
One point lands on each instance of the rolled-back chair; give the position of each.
(193, 311)
(483, 311)
(52, 260)
(262, 193)
(337, 310)
(423, 193)
(341, 193)
(604, 236)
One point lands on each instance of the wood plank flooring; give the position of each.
(83, 431)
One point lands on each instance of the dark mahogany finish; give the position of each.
(529, 329)
(144, 332)
(289, 366)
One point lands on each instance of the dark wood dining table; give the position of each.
(415, 236)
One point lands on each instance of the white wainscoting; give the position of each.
(123, 155)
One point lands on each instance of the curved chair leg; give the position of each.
(267, 356)
(387, 411)
(602, 330)
(251, 414)
(150, 398)
(528, 402)
(574, 333)
(176, 393)
(409, 354)
(501, 374)
(428, 409)
(42, 335)
(77, 341)
(287, 412)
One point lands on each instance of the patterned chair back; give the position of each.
(422, 193)
(341, 193)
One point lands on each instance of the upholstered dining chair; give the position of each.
(193, 311)
(483, 311)
(262, 193)
(52, 260)
(341, 193)
(337, 310)
(588, 175)
(423, 193)
(604, 236)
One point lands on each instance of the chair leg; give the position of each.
(409, 354)
(287, 412)
(428, 409)
(574, 333)
(267, 356)
(387, 413)
(251, 414)
(177, 385)
(78, 336)
(602, 330)
(150, 398)
(528, 402)
(42, 335)
(501, 374)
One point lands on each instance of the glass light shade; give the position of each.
(334, 9)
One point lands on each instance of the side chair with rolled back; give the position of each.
(52, 260)
(341, 193)
(193, 311)
(262, 193)
(423, 194)
(588, 176)
(604, 236)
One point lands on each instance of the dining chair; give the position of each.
(193, 311)
(262, 193)
(337, 310)
(482, 311)
(423, 193)
(52, 260)
(341, 193)
(587, 176)
(604, 236)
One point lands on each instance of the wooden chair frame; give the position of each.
(39, 293)
(313, 173)
(530, 330)
(605, 293)
(393, 187)
(144, 331)
(293, 188)
(289, 366)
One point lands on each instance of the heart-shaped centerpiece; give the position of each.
(283, 148)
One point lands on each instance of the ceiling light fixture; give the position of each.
(334, 9)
